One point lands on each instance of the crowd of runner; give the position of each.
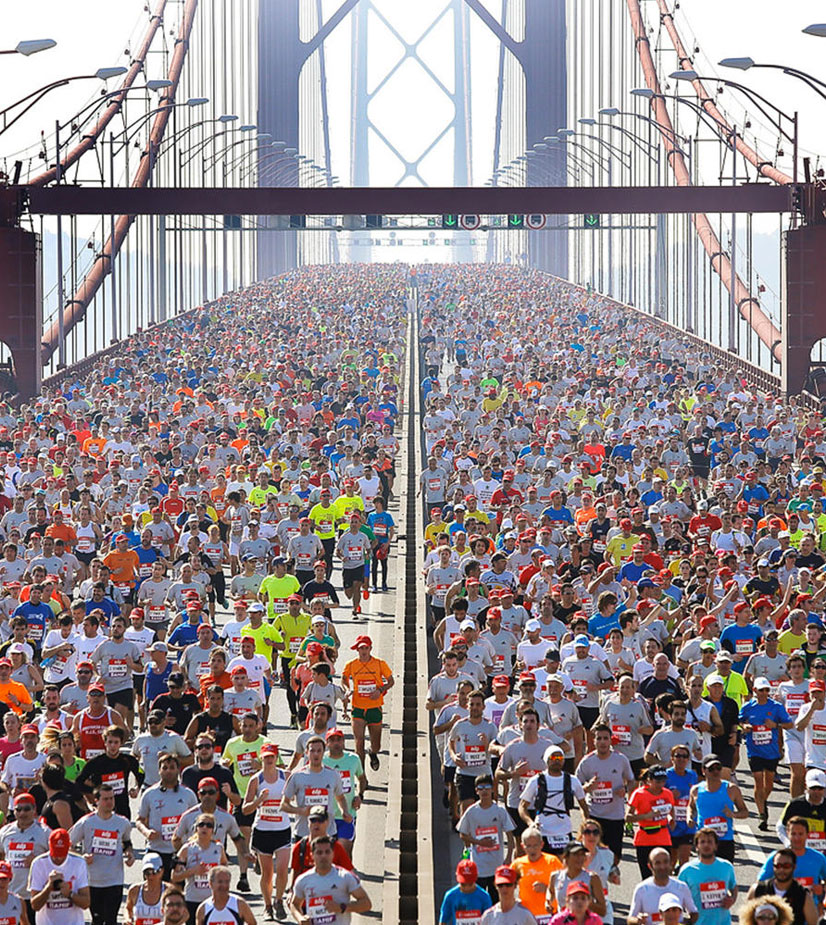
(624, 568)
(182, 529)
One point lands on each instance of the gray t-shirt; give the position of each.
(584, 671)
(519, 915)
(607, 799)
(564, 718)
(20, 847)
(104, 840)
(626, 720)
(161, 810)
(314, 890)
(195, 663)
(314, 788)
(494, 823)
(110, 660)
(147, 747)
(471, 742)
(516, 751)
(225, 825)
(666, 738)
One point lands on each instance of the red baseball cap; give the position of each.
(467, 872)
(207, 782)
(362, 641)
(817, 685)
(59, 842)
(501, 680)
(504, 874)
(527, 676)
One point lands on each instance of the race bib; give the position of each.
(316, 796)
(476, 755)
(761, 735)
(84, 544)
(712, 894)
(744, 647)
(818, 734)
(487, 831)
(124, 586)
(18, 853)
(245, 763)
(295, 643)
(105, 843)
(620, 735)
(168, 826)
(365, 686)
(718, 823)
(317, 911)
(346, 781)
(681, 810)
(270, 811)
(156, 615)
(118, 668)
(279, 605)
(201, 881)
(816, 840)
(602, 793)
(145, 571)
(434, 484)
(115, 780)
(471, 916)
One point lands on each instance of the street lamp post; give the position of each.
(746, 64)
(29, 47)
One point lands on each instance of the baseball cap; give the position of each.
(708, 645)
(333, 733)
(466, 872)
(362, 641)
(30, 729)
(762, 684)
(5, 870)
(152, 861)
(714, 679)
(814, 778)
(582, 640)
(269, 748)
(318, 618)
(207, 782)
(25, 798)
(501, 680)
(577, 886)
(533, 626)
(504, 874)
(658, 772)
(59, 841)
(237, 669)
(669, 901)
(552, 751)
(711, 759)
(319, 812)
(817, 686)
(723, 656)
(527, 676)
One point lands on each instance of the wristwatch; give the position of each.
(343, 907)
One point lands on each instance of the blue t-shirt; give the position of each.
(633, 572)
(380, 524)
(456, 901)
(809, 871)
(744, 635)
(762, 742)
(185, 634)
(704, 881)
(107, 605)
(39, 618)
(680, 786)
(601, 626)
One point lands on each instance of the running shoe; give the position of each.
(374, 761)
(243, 885)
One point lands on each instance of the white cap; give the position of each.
(255, 607)
(533, 625)
(467, 625)
(762, 684)
(669, 901)
(551, 751)
(815, 778)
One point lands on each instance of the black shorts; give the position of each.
(756, 763)
(726, 755)
(125, 697)
(725, 849)
(637, 766)
(588, 715)
(450, 774)
(265, 842)
(466, 786)
(518, 821)
(351, 575)
(613, 833)
(85, 557)
(246, 819)
(138, 680)
(677, 840)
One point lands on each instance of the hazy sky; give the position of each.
(719, 27)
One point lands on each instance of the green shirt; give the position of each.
(277, 590)
(243, 759)
(73, 769)
(350, 769)
(265, 631)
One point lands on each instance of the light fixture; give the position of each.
(227, 118)
(644, 92)
(161, 84)
(197, 100)
(104, 73)
(683, 75)
(818, 29)
(587, 121)
(33, 46)
(609, 111)
(742, 64)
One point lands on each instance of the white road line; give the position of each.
(749, 842)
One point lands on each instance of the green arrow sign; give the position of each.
(592, 221)
(516, 221)
(450, 221)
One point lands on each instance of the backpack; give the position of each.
(542, 796)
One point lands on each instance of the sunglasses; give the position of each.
(204, 745)
(205, 825)
(590, 831)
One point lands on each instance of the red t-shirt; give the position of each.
(652, 831)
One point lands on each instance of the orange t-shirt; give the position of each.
(20, 691)
(366, 677)
(124, 566)
(62, 532)
(652, 831)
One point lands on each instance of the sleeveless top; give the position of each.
(90, 733)
(710, 806)
(146, 913)
(229, 915)
(268, 816)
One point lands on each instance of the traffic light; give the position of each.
(373, 221)
(450, 221)
(591, 221)
(298, 221)
(516, 221)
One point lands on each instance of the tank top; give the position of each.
(48, 816)
(91, 733)
(10, 910)
(229, 915)
(710, 806)
(268, 816)
(197, 886)
(146, 914)
(86, 540)
(215, 553)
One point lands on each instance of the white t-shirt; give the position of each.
(555, 822)
(58, 909)
(256, 668)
